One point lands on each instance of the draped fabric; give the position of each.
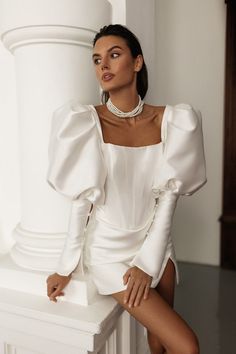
(133, 186)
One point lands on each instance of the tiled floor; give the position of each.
(206, 299)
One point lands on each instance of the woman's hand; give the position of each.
(139, 285)
(55, 284)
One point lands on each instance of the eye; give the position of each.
(96, 61)
(115, 55)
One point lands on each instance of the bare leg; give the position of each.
(163, 322)
(165, 288)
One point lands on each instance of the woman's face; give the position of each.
(114, 65)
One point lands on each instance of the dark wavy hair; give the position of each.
(135, 48)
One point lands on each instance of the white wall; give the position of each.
(190, 37)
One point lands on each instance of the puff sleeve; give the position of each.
(182, 171)
(77, 171)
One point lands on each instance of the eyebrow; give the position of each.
(109, 50)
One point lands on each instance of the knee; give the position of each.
(155, 349)
(154, 344)
(192, 346)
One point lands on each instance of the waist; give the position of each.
(101, 215)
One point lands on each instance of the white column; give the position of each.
(52, 45)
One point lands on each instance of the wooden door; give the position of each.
(228, 218)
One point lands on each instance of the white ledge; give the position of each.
(80, 290)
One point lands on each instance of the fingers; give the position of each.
(55, 284)
(132, 291)
(133, 294)
(53, 296)
(139, 295)
(51, 288)
(146, 291)
(56, 293)
(136, 289)
(128, 290)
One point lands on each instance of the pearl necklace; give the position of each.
(137, 110)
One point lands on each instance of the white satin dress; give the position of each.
(134, 192)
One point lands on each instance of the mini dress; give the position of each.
(133, 191)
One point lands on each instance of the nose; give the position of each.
(104, 64)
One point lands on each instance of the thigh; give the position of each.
(166, 286)
(160, 319)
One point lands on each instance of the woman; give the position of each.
(129, 162)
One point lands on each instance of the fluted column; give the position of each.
(52, 45)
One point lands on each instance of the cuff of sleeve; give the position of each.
(152, 253)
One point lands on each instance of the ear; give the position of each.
(138, 63)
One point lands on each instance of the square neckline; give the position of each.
(98, 124)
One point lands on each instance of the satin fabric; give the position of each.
(134, 192)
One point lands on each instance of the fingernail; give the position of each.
(125, 300)
(130, 305)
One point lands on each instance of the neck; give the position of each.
(126, 100)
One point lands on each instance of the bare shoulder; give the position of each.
(155, 108)
(100, 108)
(159, 110)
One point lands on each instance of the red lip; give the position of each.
(107, 76)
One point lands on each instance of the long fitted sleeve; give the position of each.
(77, 171)
(72, 251)
(182, 172)
(152, 253)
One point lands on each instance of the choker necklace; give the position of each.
(137, 110)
